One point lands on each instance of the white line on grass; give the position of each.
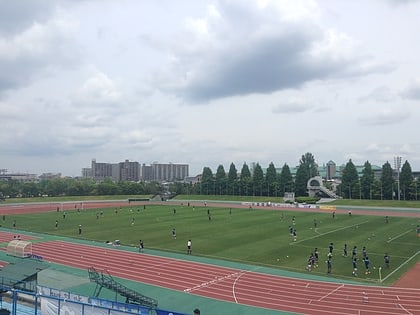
(398, 236)
(405, 262)
(333, 231)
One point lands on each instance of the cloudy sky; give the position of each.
(207, 82)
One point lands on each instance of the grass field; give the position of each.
(259, 237)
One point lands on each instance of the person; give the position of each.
(349, 213)
(329, 265)
(189, 247)
(386, 260)
(230, 211)
(367, 265)
(196, 312)
(316, 254)
(174, 233)
(315, 224)
(14, 224)
(386, 219)
(132, 221)
(333, 215)
(141, 246)
(345, 250)
(331, 248)
(417, 230)
(174, 211)
(364, 252)
(56, 223)
(354, 252)
(64, 214)
(354, 266)
(294, 220)
(290, 230)
(294, 235)
(310, 262)
(80, 229)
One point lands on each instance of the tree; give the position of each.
(246, 180)
(232, 179)
(271, 180)
(414, 189)
(366, 181)
(301, 181)
(220, 180)
(206, 181)
(307, 169)
(308, 161)
(258, 180)
(387, 181)
(285, 180)
(350, 181)
(406, 181)
(107, 187)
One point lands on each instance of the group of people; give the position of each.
(189, 243)
(365, 258)
(313, 260)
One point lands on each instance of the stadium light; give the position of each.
(397, 166)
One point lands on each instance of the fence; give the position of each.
(49, 301)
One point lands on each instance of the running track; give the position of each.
(235, 285)
(227, 284)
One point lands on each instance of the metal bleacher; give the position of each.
(106, 281)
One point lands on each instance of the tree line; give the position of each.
(247, 182)
(276, 184)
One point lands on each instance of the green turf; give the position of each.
(259, 237)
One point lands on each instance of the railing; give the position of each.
(108, 282)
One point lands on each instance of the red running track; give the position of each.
(235, 285)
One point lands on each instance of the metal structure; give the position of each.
(106, 281)
(397, 166)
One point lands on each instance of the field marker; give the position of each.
(405, 309)
(333, 291)
(405, 262)
(398, 236)
(333, 231)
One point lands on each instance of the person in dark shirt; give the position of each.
(386, 260)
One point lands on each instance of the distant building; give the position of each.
(47, 176)
(133, 171)
(164, 172)
(100, 171)
(330, 170)
(129, 171)
(21, 177)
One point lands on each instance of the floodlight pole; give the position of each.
(397, 166)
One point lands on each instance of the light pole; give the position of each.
(397, 166)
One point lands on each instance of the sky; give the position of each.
(207, 83)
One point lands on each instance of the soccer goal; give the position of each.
(19, 248)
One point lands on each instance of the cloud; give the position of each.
(412, 91)
(380, 94)
(402, 2)
(291, 105)
(17, 16)
(38, 49)
(385, 117)
(247, 49)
